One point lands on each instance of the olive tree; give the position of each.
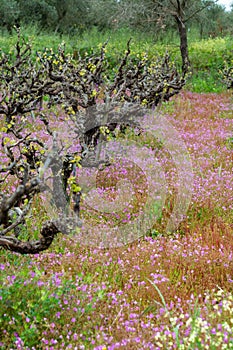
(9, 13)
(159, 14)
(70, 14)
(54, 15)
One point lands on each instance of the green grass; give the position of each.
(205, 81)
(207, 56)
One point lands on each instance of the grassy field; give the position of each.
(207, 56)
(161, 291)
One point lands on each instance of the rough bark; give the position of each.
(183, 44)
(48, 232)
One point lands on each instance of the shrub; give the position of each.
(93, 102)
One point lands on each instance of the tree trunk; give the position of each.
(183, 44)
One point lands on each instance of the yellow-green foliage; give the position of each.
(211, 53)
(205, 54)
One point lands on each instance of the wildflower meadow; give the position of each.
(160, 291)
(142, 257)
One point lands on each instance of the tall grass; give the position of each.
(207, 56)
